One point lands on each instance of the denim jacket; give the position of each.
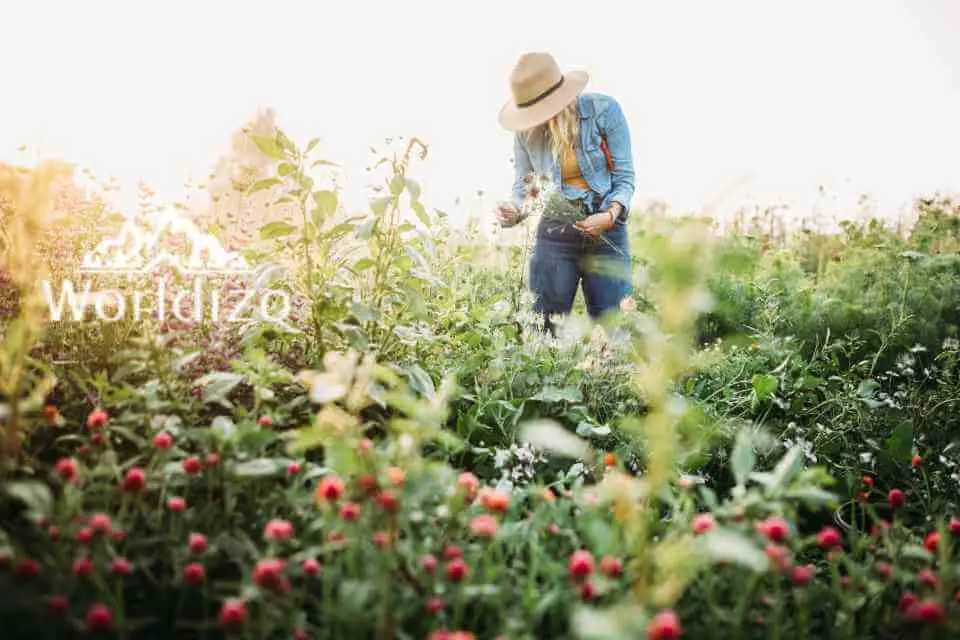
(599, 115)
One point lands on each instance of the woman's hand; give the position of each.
(507, 214)
(597, 223)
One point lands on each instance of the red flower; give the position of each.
(609, 459)
(587, 591)
(774, 528)
(58, 605)
(896, 498)
(336, 536)
(349, 511)
(396, 476)
(801, 575)
(191, 466)
(311, 567)
(954, 526)
(96, 439)
(66, 468)
(435, 605)
(299, 633)
(233, 615)
(120, 566)
(163, 441)
(99, 617)
(929, 578)
(868, 480)
(83, 567)
(932, 541)
(703, 522)
(452, 551)
(611, 566)
(916, 460)
(177, 504)
(268, 574)
(469, 484)
(54, 532)
(84, 535)
(197, 543)
(278, 530)
(927, 611)
(494, 500)
(884, 569)
(381, 539)
(118, 535)
(907, 600)
(664, 626)
(457, 570)
(553, 528)
(26, 569)
(367, 482)
(265, 421)
(829, 538)
(778, 555)
(100, 523)
(428, 563)
(330, 488)
(388, 500)
(194, 574)
(97, 419)
(294, 468)
(484, 526)
(580, 565)
(134, 481)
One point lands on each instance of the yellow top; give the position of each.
(570, 171)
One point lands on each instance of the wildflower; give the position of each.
(163, 441)
(367, 483)
(120, 566)
(211, 460)
(611, 566)
(778, 555)
(97, 419)
(469, 484)
(54, 532)
(197, 543)
(628, 305)
(896, 498)
(884, 569)
(366, 445)
(381, 539)
(932, 541)
(916, 461)
(330, 488)
(58, 605)
(484, 526)
(100, 523)
(26, 569)
(926, 611)
(83, 567)
(294, 468)
(50, 413)
(495, 500)
(428, 562)
(278, 530)
(176, 504)
(349, 511)
(268, 574)
(265, 421)
(299, 633)
(452, 551)
(84, 535)
(863, 496)
(703, 522)
(66, 468)
(829, 538)
(457, 570)
(868, 480)
(311, 567)
(96, 439)
(435, 605)
(801, 575)
(664, 626)
(929, 578)
(194, 574)
(774, 528)
(954, 526)
(233, 615)
(907, 600)
(580, 565)
(609, 459)
(548, 495)
(553, 529)
(99, 618)
(587, 591)
(336, 536)
(388, 500)
(134, 481)
(191, 466)
(396, 476)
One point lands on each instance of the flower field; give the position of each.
(762, 443)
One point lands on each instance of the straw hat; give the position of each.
(540, 91)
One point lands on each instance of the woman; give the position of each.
(581, 143)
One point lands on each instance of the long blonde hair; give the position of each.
(563, 130)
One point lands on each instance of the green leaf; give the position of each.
(812, 495)
(550, 436)
(217, 386)
(310, 145)
(326, 201)
(787, 469)
(898, 448)
(34, 495)
(764, 385)
(413, 188)
(379, 205)
(421, 382)
(916, 552)
(263, 184)
(743, 457)
(363, 312)
(320, 163)
(721, 545)
(557, 394)
(587, 430)
(363, 264)
(397, 184)
(421, 213)
(257, 468)
(286, 169)
(268, 146)
(276, 229)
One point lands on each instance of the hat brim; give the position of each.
(514, 118)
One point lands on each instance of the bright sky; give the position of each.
(769, 99)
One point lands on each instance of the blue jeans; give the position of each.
(565, 257)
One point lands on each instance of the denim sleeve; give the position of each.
(521, 167)
(618, 140)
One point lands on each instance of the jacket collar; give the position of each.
(585, 107)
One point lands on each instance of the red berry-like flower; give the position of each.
(801, 575)
(194, 574)
(163, 441)
(100, 523)
(330, 488)
(54, 532)
(484, 526)
(177, 504)
(381, 539)
(896, 498)
(927, 612)
(774, 528)
(66, 468)
(197, 543)
(929, 578)
(299, 633)
(469, 484)
(396, 476)
(580, 565)
(211, 460)
(779, 556)
(932, 541)
(907, 600)
(428, 563)
(97, 419)
(233, 615)
(349, 511)
(587, 591)
(452, 551)
(26, 569)
(191, 466)
(294, 468)
(311, 567)
(268, 574)
(611, 566)
(703, 522)
(868, 480)
(435, 605)
(83, 567)
(553, 528)
(96, 439)
(84, 535)
(884, 569)
(829, 538)
(278, 530)
(134, 481)
(457, 570)
(495, 500)
(664, 626)
(388, 500)
(916, 461)
(265, 421)
(99, 618)
(118, 535)
(120, 566)
(58, 605)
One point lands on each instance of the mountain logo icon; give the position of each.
(164, 238)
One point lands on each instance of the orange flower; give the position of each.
(396, 476)
(494, 500)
